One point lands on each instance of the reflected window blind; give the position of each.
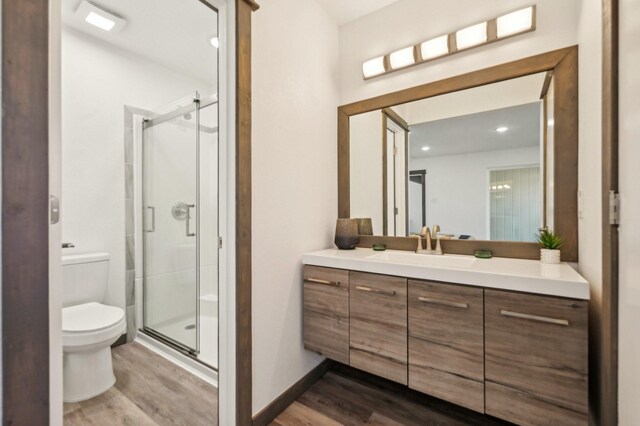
(515, 204)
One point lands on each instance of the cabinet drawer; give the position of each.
(535, 356)
(378, 325)
(446, 342)
(326, 312)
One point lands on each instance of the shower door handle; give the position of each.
(188, 221)
(153, 219)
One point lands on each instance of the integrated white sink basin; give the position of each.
(528, 276)
(409, 258)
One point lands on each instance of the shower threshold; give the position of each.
(184, 350)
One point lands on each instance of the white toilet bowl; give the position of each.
(88, 330)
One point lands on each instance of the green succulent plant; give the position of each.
(549, 240)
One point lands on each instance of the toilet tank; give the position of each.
(84, 278)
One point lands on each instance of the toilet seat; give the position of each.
(90, 324)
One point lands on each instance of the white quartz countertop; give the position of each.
(530, 276)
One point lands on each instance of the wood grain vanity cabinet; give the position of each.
(517, 356)
(446, 342)
(536, 358)
(378, 325)
(326, 312)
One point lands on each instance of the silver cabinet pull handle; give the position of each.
(188, 221)
(323, 282)
(376, 290)
(533, 317)
(153, 219)
(443, 302)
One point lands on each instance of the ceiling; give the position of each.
(477, 132)
(345, 11)
(174, 34)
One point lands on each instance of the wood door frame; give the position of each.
(25, 212)
(605, 360)
(564, 63)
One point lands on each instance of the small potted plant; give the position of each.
(550, 246)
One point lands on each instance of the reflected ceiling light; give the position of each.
(373, 67)
(471, 36)
(425, 148)
(402, 58)
(515, 22)
(551, 122)
(100, 18)
(502, 129)
(215, 42)
(435, 47)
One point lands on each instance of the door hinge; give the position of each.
(614, 208)
(219, 242)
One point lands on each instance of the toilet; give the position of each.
(89, 328)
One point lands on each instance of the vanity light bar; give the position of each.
(511, 24)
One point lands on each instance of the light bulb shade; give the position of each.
(373, 67)
(471, 36)
(435, 47)
(515, 22)
(402, 58)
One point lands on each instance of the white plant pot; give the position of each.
(550, 256)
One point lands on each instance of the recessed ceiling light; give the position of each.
(373, 67)
(215, 42)
(100, 18)
(502, 129)
(425, 148)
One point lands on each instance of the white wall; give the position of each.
(629, 335)
(295, 96)
(457, 187)
(97, 82)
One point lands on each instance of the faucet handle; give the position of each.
(438, 249)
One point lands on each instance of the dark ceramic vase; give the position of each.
(346, 234)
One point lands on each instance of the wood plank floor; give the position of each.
(345, 396)
(149, 390)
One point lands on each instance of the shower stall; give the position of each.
(180, 226)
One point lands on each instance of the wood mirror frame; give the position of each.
(564, 64)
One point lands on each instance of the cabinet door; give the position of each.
(536, 358)
(446, 342)
(326, 312)
(378, 325)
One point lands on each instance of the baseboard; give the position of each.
(286, 398)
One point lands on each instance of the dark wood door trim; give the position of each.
(25, 219)
(244, 406)
(605, 353)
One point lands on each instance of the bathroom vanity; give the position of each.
(505, 337)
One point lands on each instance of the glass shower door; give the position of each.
(170, 224)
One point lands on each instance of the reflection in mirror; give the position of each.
(477, 162)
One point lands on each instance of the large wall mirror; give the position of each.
(490, 157)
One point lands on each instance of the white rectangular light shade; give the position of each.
(435, 47)
(99, 18)
(402, 58)
(373, 67)
(515, 22)
(471, 36)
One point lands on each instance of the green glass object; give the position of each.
(483, 254)
(379, 247)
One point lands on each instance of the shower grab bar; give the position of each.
(188, 221)
(153, 219)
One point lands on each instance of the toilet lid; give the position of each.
(90, 317)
